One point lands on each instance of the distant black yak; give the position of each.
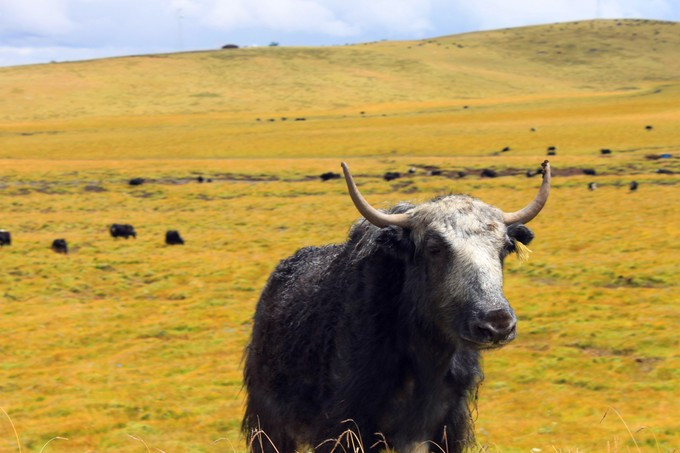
(172, 237)
(385, 330)
(329, 175)
(5, 238)
(390, 175)
(122, 230)
(60, 246)
(136, 181)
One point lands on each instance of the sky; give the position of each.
(41, 31)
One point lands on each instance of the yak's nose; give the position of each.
(495, 326)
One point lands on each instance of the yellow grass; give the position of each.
(123, 344)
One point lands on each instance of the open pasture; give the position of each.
(136, 337)
(133, 337)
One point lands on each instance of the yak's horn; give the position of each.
(532, 209)
(377, 218)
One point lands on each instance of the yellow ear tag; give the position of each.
(523, 251)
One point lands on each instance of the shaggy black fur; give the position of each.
(350, 331)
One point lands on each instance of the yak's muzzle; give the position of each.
(492, 329)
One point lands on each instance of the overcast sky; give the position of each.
(40, 31)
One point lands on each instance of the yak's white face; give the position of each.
(461, 242)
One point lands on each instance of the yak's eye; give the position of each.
(509, 245)
(434, 249)
(508, 248)
(434, 246)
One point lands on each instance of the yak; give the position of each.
(386, 329)
(60, 246)
(5, 238)
(122, 230)
(172, 237)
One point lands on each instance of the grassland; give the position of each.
(136, 338)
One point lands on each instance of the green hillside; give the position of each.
(569, 58)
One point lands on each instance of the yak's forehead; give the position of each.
(460, 217)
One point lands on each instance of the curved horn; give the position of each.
(377, 218)
(532, 209)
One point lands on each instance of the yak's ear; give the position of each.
(520, 233)
(396, 241)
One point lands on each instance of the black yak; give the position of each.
(136, 181)
(122, 230)
(390, 175)
(60, 246)
(5, 238)
(385, 329)
(172, 237)
(329, 175)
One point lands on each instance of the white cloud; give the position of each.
(329, 17)
(11, 56)
(309, 16)
(395, 16)
(34, 17)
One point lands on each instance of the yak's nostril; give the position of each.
(482, 332)
(495, 326)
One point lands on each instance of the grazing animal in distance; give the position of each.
(60, 246)
(488, 173)
(390, 175)
(385, 329)
(589, 171)
(122, 230)
(136, 181)
(592, 185)
(5, 238)
(329, 175)
(172, 237)
(604, 151)
(633, 186)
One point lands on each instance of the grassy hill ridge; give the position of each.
(577, 57)
(471, 94)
